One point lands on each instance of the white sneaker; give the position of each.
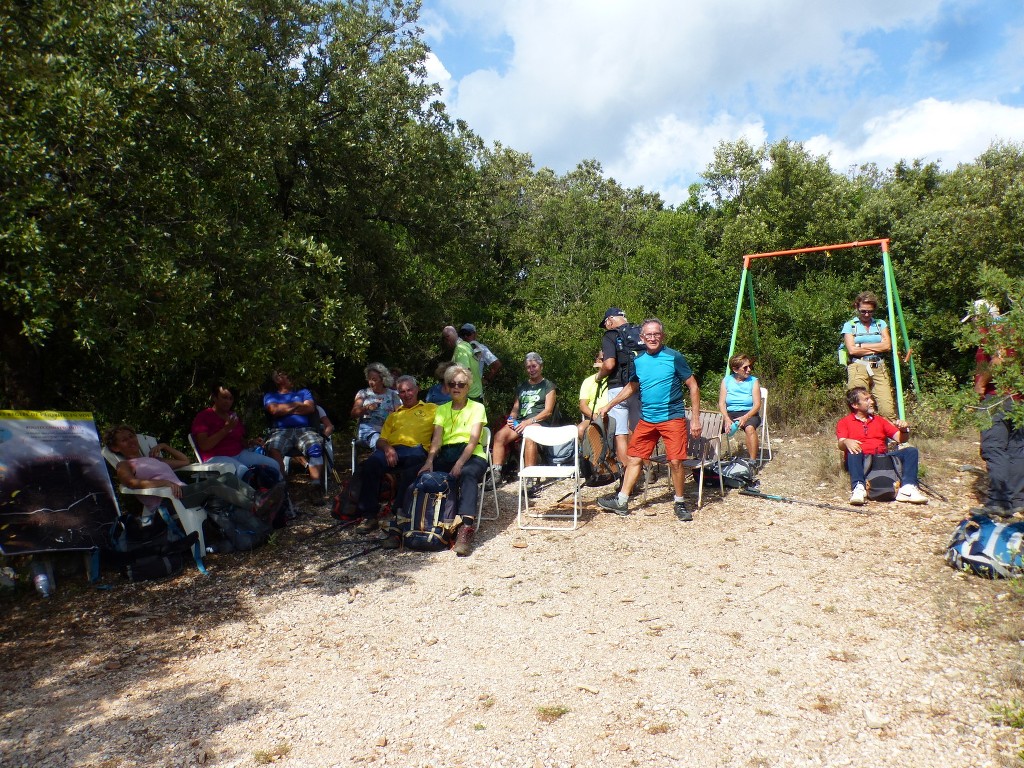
(911, 495)
(859, 496)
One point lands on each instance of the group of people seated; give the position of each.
(139, 471)
(418, 436)
(297, 426)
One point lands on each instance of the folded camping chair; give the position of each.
(191, 518)
(488, 479)
(550, 436)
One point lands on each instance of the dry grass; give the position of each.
(550, 714)
(267, 756)
(825, 705)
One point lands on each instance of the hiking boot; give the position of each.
(464, 540)
(393, 541)
(533, 489)
(991, 510)
(911, 495)
(369, 525)
(859, 496)
(611, 504)
(683, 512)
(496, 477)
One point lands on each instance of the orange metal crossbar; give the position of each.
(816, 249)
(894, 305)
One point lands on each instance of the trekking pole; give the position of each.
(360, 553)
(340, 526)
(931, 490)
(772, 497)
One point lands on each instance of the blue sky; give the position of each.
(650, 87)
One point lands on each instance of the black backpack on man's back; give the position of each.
(628, 345)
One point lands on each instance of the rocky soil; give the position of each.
(761, 634)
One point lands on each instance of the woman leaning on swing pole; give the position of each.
(867, 343)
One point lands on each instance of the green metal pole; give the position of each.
(753, 315)
(906, 338)
(736, 317)
(897, 374)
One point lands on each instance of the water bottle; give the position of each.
(732, 430)
(41, 580)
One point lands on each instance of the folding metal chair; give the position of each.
(550, 436)
(701, 452)
(488, 478)
(766, 440)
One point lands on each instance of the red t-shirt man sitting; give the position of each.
(863, 433)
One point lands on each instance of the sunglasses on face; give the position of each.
(744, 368)
(459, 384)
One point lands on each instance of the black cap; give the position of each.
(612, 312)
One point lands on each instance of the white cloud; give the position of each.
(950, 132)
(650, 87)
(663, 154)
(436, 72)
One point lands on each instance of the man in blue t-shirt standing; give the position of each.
(659, 376)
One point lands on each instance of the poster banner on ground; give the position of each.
(55, 492)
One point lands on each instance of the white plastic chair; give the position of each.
(148, 443)
(191, 518)
(766, 440)
(550, 436)
(200, 466)
(488, 479)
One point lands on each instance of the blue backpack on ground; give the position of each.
(428, 519)
(982, 546)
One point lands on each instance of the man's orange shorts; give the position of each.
(675, 433)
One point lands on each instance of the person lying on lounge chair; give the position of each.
(137, 471)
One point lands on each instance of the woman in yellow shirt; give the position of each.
(455, 448)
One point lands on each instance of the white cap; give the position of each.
(979, 308)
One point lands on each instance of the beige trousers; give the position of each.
(874, 377)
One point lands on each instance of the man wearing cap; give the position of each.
(487, 363)
(619, 349)
(1002, 445)
(462, 354)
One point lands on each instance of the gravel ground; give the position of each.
(761, 634)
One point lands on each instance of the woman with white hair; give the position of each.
(374, 403)
(534, 404)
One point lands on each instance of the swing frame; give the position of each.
(895, 308)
